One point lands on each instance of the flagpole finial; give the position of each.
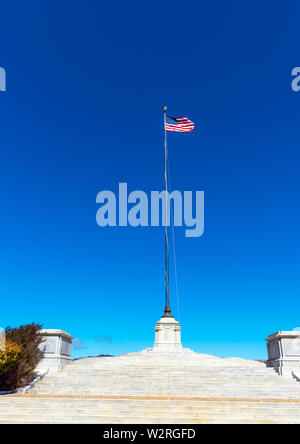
(165, 108)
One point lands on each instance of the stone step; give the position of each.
(162, 370)
(54, 410)
(118, 419)
(178, 390)
(161, 374)
(150, 374)
(170, 387)
(163, 377)
(107, 418)
(152, 411)
(174, 378)
(148, 384)
(171, 375)
(165, 365)
(219, 386)
(176, 387)
(215, 395)
(129, 410)
(145, 420)
(183, 383)
(197, 383)
(15, 400)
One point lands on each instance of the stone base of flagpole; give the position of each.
(167, 335)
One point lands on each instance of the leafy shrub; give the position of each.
(21, 372)
(9, 356)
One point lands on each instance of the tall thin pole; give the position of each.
(167, 312)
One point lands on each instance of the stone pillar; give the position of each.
(284, 352)
(167, 335)
(2, 339)
(57, 346)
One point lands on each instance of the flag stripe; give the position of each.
(179, 124)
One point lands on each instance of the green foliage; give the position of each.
(21, 372)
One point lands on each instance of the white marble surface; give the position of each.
(167, 335)
(57, 348)
(284, 352)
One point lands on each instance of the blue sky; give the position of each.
(82, 112)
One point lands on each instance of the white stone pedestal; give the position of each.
(167, 335)
(284, 352)
(57, 346)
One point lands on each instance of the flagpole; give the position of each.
(167, 312)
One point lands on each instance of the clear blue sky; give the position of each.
(82, 112)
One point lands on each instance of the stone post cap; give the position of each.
(167, 320)
(55, 332)
(283, 334)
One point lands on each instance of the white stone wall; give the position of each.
(57, 348)
(167, 334)
(284, 352)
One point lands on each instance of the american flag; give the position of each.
(179, 124)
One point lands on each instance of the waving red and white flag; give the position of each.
(179, 124)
